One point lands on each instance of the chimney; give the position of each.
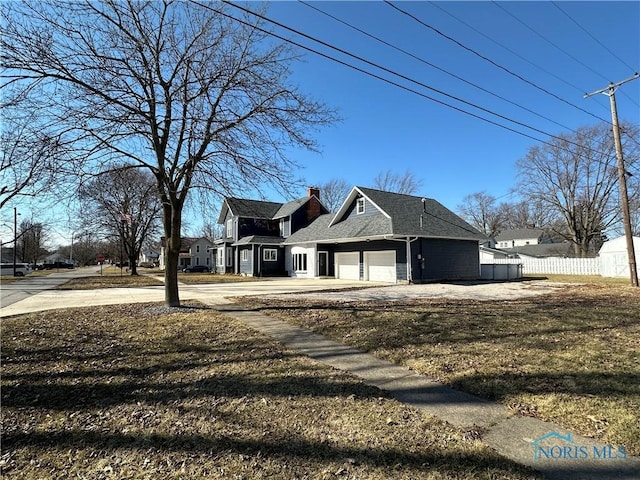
(311, 191)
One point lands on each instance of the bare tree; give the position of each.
(389, 181)
(30, 241)
(525, 214)
(123, 203)
(333, 192)
(28, 166)
(479, 210)
(176, 87)
(575, 176)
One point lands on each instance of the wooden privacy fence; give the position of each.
(556, 265)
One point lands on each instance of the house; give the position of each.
(254, 231)
(542, 250)
(193, 251)
(375, 236)
(614, 258)
(520, 237)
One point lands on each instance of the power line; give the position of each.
(513, 52)
(533, 30)
(487, 59)
(404, 77)
(629, 97)
(595, 39)
(415, 57)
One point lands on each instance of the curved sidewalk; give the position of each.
(522, 439)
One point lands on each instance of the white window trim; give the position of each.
(300, 262)
(360, 206)
(230, 228)
(245, 255)
(270, 255)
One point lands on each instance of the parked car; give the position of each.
(196, 268)
(21, 269)
(146, 264)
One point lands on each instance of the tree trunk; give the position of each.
(172, 226)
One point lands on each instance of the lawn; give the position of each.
(570, 357)
(145, 392)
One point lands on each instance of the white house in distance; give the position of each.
(521, 237)
(614, 259)
(193, 251)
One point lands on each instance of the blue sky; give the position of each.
(549, 44)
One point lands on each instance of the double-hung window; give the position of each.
(360, 206)
(270, 254)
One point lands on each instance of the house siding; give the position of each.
(258, 226)
(370, 210)
(445, 259)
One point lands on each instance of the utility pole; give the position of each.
(15, 238)
(610, 91)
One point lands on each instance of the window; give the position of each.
(230, 228)
(244, 256)
(220, 257)
(270, 255)
(229, 257)
(300, 262)
(197, 248)
(360, 206)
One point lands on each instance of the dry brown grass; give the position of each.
(145, 392)
(571, 357)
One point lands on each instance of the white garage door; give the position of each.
(380, 266)
(348, 266)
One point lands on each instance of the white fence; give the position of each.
(555, 265)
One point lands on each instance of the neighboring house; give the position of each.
(254, 231)
(520, 237)
(489, 255)
(376, 236)
(193, 251)
(614, 258)
(149, 256)
(542, 250)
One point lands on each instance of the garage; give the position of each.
(348, 266)
(380, 266)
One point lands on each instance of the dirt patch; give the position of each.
(481, 291)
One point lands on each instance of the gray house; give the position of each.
(254, 233)
(375, 236)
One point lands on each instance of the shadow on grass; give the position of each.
(291, 446)
(74, 395)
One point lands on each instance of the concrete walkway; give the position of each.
(521, 439)
(514, 437)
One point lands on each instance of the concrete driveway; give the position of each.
(37, 294)
(41, 296)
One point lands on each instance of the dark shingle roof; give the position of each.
(242, 207)
(405, 212)
(519, 234)
(259, 240)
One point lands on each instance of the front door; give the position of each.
(323, 264)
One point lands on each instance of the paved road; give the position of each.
(14, 292)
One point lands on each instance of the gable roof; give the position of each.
(519, 234)
(541, 250)
(400, 215)
(242, 207)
